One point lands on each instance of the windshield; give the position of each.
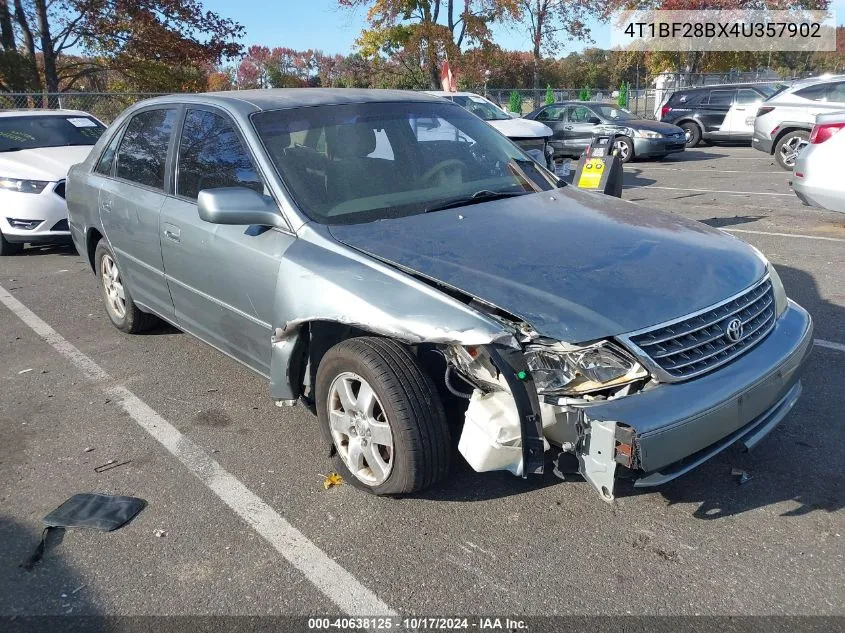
(30, 132)
(613, 113)
(480, 107)
(356, 163)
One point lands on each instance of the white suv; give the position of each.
(785, 120)
(37, 147)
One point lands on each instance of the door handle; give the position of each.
(105, 205)
(740, 109)
(173, 235)
(567, 127)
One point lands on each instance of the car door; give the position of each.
(740, 120)
(713, 112)
(222, 277)
(581, 122)
(130, 201)
(554, 116)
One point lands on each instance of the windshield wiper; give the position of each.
(12, 149)
(484, 195)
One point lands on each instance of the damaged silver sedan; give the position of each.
(389, 259)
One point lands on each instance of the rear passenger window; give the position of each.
(814, 93)
(721, 97)
(211, 155)
(143, 151)
(836, 93)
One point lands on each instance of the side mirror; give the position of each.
(238, 205)
(594, 120)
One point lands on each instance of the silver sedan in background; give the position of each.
(817, 177)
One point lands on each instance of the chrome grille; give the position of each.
(700, 343)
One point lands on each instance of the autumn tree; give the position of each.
(550, 22)
(428, 29)
(155, 44)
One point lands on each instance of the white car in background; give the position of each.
(817, 176)
(37, 147)
(531, 136)
(783, 121)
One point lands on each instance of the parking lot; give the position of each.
(238, 520)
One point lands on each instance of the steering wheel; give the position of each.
(440, 168)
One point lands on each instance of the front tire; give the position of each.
(624, 147)
(120, 307)
(383, 416)
(786, 148)
(692, 133)
(9, 248)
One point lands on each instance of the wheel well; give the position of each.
(91, 240)
(318, 337)
(784, 132)
(682, 121)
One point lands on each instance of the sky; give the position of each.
(322, 25)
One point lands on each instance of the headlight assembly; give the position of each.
(557, 370)
(23, 186)
(647, 134)
(777, 287)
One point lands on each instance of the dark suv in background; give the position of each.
(716, 113)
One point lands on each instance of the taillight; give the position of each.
(822, 132)
(664, 111)
(764, 110)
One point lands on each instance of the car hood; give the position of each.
(522, 128)
(653, 126)
(576, 266)
(42, 163)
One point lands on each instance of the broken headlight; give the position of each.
(578, 370)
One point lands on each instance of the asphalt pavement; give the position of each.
(238, 521)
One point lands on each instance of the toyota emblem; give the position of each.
(733, 332)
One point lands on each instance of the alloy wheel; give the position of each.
(360, 429)
(112, 284)
(789, 151)
(622, 149)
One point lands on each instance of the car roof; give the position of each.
(41, 112)
(248, 101)
(444, 93)
(718, 86)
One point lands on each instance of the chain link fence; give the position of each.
(103, 105)
(643, 103)
(640, 102)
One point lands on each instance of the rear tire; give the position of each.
(9, 248)
(120, 307)
(692, 132)
(786, 147)
(404, 410)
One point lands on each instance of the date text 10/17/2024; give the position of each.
(418, 623)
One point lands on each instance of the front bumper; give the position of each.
(644, 147)
(678, 426)
(763, 143)
(47, 208)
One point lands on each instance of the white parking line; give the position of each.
(709, 171)
(839, 347)
(337, 584)
(733, 193)
(805, 237)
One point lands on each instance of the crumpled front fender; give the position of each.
(321, 280)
